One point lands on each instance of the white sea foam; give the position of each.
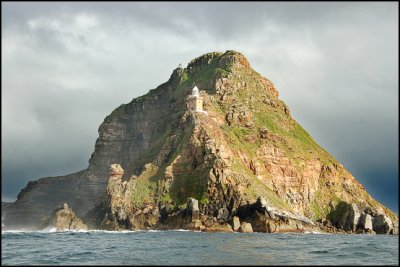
(48, 230)
(54, 230)
(17, 231)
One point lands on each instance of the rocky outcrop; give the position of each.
(39, 199)
(268, 219)
(193, 207)
(382, 224)
(352, 218)
(63, 218)
(116, 200)
(158, 166)
(245, 228)
(366, 222)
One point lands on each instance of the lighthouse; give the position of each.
(195, 101)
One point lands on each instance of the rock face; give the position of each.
(63, 218)
(38, 198)
(366, 222)
(128, 132)
(246, 160)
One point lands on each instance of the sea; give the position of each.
(195, 248)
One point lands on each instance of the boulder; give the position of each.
(193, 205)
(236, 223)
(245, 228)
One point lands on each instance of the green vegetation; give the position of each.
(319, 208)
(296, 141)
(237, 135)
(204, 200)
(206, 74)
(166, 198)
(144, 188)
(188, 185)
(184, 76)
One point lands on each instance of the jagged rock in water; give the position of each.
(63, 218)
(174, 168)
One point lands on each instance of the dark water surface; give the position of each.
(186, 248)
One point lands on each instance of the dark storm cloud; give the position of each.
(67, 65)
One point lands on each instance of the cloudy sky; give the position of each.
(65, 66)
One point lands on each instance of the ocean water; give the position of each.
(196, 248)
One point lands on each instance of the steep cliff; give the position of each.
(246, 161)
(247, 158)
(129, 131)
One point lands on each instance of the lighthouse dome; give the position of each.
(195, 91)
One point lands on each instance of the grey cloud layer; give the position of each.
(67, 65)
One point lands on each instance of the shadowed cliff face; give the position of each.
(131, 129)
(247, 149)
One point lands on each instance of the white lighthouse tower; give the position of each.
(195, 101)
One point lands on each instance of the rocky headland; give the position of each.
(245, 165)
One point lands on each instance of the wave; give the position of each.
(54, 230)
(18, 231)
(316, 233)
